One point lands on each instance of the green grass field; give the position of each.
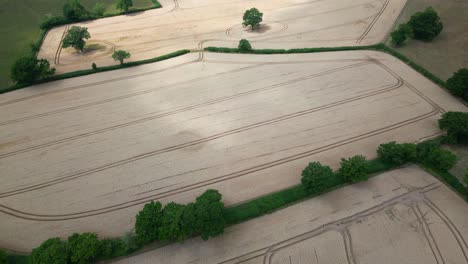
(20, 26)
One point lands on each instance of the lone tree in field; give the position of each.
(120, 55)
(244, 45)
(30, 69)
(74, 11)
(124, 5)
(316, 177)
(76, 38)
(425, 25)
(458, 84)
(252, 18)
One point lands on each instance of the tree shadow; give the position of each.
(262, 28)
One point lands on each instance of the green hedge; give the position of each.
(98, 69)
(450, 180)
(272, 202)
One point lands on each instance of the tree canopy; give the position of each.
(252, 18)
(456, 126)
(74, 11)
(425, 25)
(400, 35)
(83, 248)
(148, 222)
(124, 5)
(29, 69)
(316, 177)
(458, 83)
(76, 38)
(354, 169)
(244, 45)
(120, 55)
(51, 251)
(210, 221)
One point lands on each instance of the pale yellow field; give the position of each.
(194, 24)
(84, 154)
(404, 216)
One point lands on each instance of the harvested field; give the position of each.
(187, 24)
(84, 154)
(404, 216)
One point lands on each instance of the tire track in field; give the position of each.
(135, 202)
(180, 110)
(373, 22)
(59, 48)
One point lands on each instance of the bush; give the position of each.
(244, 45)
(98, 9)
(53, 21)
(94, 66)
(148, 222)
(74, 11)
(124, 5)
(397, 154)
(354, 169)
(316, 177)
(111, 248)
(456, 126)
(171, 223)
(3, 257)
(83, 248)
(425, 25)
(432, 155)
(29, 69)
(51, 251)
(209, 214)
(252, 18)
(458, 83)
(400, 34)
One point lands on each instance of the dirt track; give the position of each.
(186, 24)
(84, 154)
(404, 216)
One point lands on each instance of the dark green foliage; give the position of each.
(210, 221)
(27, 70)
(83, 248)
(252, 18)
(147, 223)
(3, 257)
(400, 34)
(120, 55)
(425, 25)
(124, 5)
(74, 11)
(431, 154)
(98, 10)
(244, 45)
(451, 180)
(354, 169)
(397, 154)
(458, 83)
(456, 126)
(466, 176)
(76, 38)
(171, 223)
(53, 21)
(94, 66)
(111, 248)
(51, 251)
(316, 177)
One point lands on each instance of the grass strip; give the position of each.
(450, 180)
(99, 69)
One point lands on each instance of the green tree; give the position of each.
(425, 25)
(76, 38)
(148, 222)
(210, 220)
(442, 159)
(397, 154)
(3, 257)
(316, 177)
(244, 45)
(458, 83)
(74, 11)
(120, 55)
(29, 69)
(354, 169)
(171, 223)
(124, 5)
(98, 9)
(83, 248)
(51, 251)
(111, 248)
(252, 18)
(456, 126)
(400, 34)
